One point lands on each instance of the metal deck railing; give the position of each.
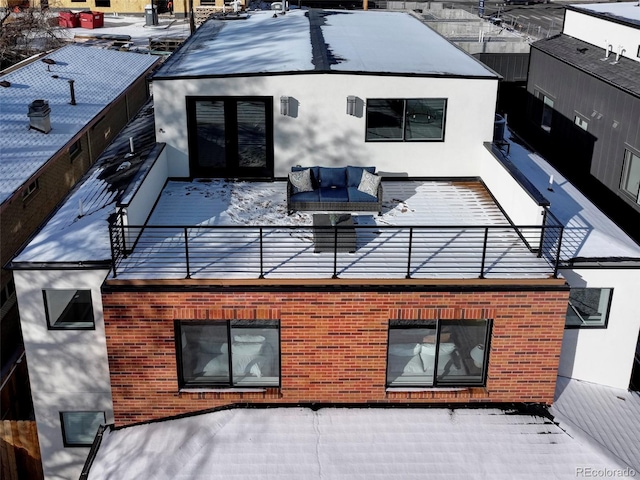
(385, 252)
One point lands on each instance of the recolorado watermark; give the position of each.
(592, 472)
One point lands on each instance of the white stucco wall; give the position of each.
(601, 33)
(68, 369)
(321, 133)
(604, 356)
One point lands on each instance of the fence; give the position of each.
(20, 451)
(355, 251)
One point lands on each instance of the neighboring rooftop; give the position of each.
(100, 76)
(304, 41)
(340, 443)
(624, 12)
(78, 230)
(625, 74)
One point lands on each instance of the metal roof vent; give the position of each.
(39, 116)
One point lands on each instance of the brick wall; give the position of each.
(333, 345)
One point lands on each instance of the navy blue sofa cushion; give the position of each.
(356, 195)
(354, 175)
(333, 177)
(313, 196)
(333, 195)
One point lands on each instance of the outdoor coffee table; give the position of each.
(324, 233)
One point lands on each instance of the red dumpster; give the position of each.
(68, 20)
(91, 19)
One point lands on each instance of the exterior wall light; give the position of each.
(351, 105)
(284, 105)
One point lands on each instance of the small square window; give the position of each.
(103, 3)
(581, 122)
(68, 309)
(30, 191)
(79, 428)
(75, 149)
(588, 307)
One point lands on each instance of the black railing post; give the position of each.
(409, 256)
(555, 268)
(542, 232)
(124, 239)
(261, 255)
(335, 250)
(484, 251)
(186, 252)
(113, 252)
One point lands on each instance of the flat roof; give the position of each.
(100, 76)
(349, 443)
(587, 57)
(622, 12)
(304, 41)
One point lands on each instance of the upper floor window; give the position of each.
(31, 189)
(234, 353)
(79, 428)
(441, 353)
(547, 112)
(415, 119)
(588, 307)
(630, 182)
(75, 149)
(68, 309)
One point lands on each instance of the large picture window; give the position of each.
(588, 307)
(68, 309)
(79, 428)
(437, 353)
(630, 182)
(235, 353)
(231, 137)
(405, 120)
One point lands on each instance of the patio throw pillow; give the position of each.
(369, 183)
(301, 181)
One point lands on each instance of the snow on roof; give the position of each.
(320, 40)
(100, 77)
(342, 443)
(629, 12)
(588, 233)
(610, 416)
(78, 231)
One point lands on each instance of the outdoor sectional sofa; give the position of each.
(334, 189)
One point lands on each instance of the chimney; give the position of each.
(72, 91)
(39, 116)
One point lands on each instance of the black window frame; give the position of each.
(436, 384)
(586, 325)
(65, 441)
(230, 324)
(81, 325)
(231, 169)
(75, 149)
(403, 127)
(624, 175)
(103, 3)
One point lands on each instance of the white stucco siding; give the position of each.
(68, 369)
(604, 356)
(321, 133)
(518, 204)
(601, 33)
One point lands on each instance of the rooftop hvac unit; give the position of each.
(39, 116)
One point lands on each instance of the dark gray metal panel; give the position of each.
(511, 66)
(599, 151)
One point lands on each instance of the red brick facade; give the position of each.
(333, 345)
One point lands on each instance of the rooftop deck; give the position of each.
(428, 229)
